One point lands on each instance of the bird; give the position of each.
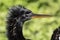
(17, 15)
(56, 34)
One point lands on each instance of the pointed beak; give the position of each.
(41, 15)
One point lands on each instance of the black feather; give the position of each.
(17, 16)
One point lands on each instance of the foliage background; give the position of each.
(39, 31)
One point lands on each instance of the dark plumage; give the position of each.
(56, 34)
(17, 16)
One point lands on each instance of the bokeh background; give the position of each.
(34, 29)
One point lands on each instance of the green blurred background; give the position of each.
(35, 29)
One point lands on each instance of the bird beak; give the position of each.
(41, 15)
